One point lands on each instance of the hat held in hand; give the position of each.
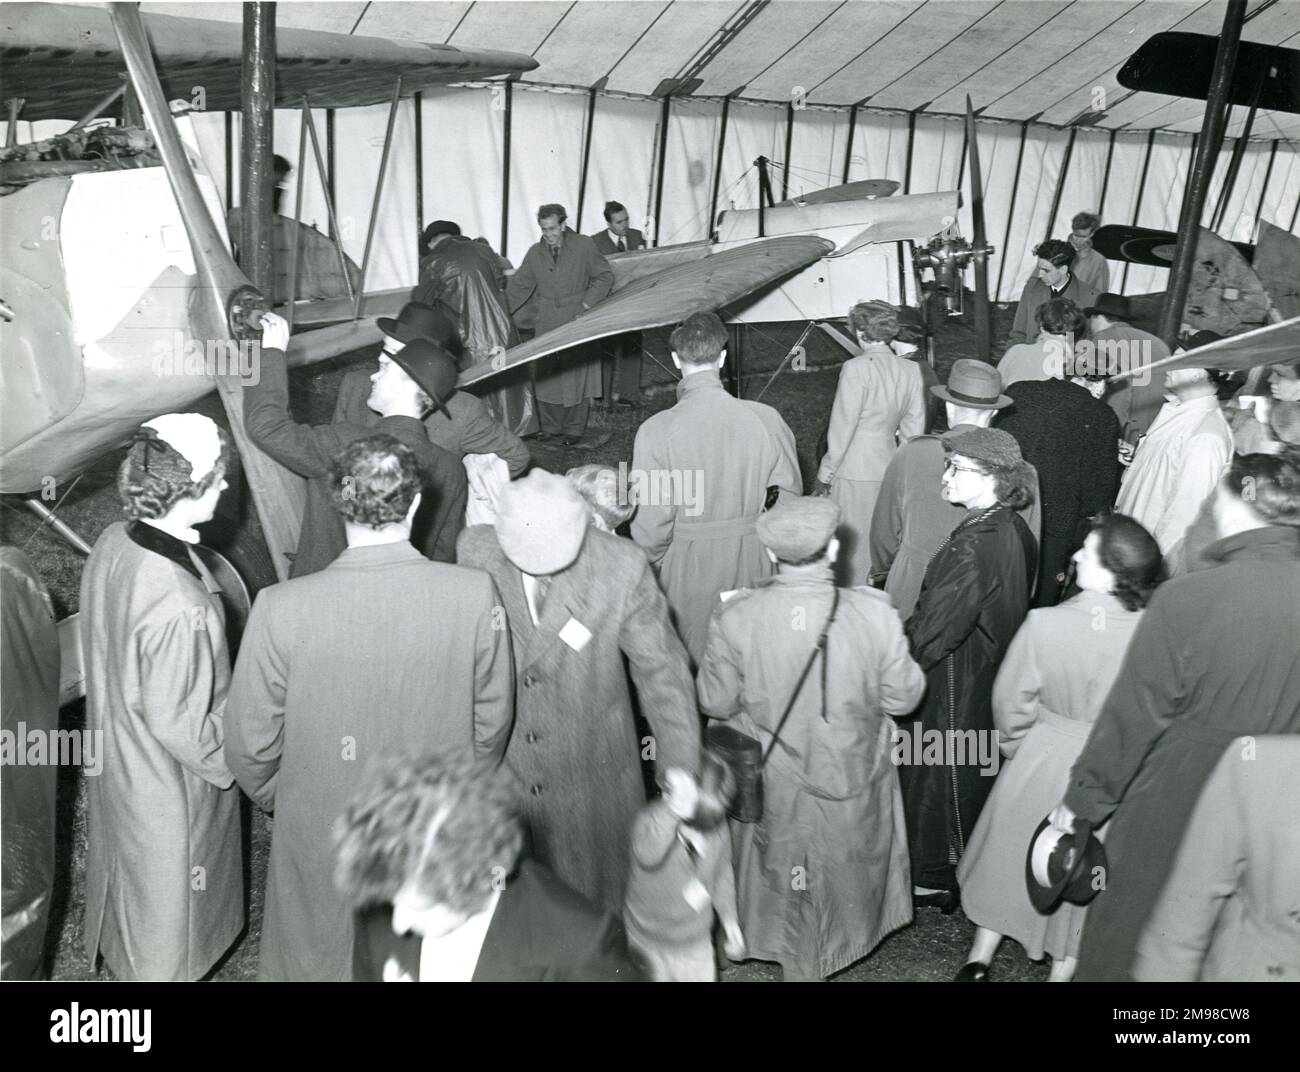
(541, 523)
(1064, 867)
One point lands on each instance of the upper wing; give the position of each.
(1182, 65)
(668, 297)
(849, 191)
(63, 58)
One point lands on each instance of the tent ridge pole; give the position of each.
(505, 167)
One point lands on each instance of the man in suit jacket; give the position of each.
(560, 278)
(621, 367)
(1120, 347)
(701, 473)
(578, 602)
(428, 856)
(1052, 278)
(401, 400)
(381, 649)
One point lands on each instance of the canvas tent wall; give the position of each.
(1056, 129)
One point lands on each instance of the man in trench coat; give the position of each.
(700, 475)
(561, 277)
(382, 649)
(574, 747)
(823, 877)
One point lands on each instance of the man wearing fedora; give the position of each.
(579, 603)
(912, 518)
(463, 424)
(407, 386)
(466, 280)
(380, 650)
(1120, 346)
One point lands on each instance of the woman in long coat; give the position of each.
(1052, 684)
(574, 747)
(1214, 658)
(164, 871)
(879, 404)
(974, 598)
(823, 877)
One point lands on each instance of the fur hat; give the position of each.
(992, 446)
(541, 523)
(800, 528)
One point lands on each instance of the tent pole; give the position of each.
(419, 171)
(1011, 209)
(1137, 204)
(257, 102)
(789, 141)
(230, 161)
(586, 156)
(1263, 190)
(848, 149)
(505, 168)
(900, 256)
(1105, 178)
(1180, 275)
(328, 171)
(1060, 182)
(664, 113)
(717, 167)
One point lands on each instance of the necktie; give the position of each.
(622, 247)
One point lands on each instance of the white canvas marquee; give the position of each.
(830, 91)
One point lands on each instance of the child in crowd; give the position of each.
(682, 875)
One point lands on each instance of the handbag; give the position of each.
(745, 756)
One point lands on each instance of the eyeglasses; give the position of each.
(953, 467)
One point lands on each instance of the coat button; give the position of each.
(536, 790)
(528, 681)
(531, 738)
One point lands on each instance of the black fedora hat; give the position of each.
(1115, 306)
(420, 321)
(973, 384)
(1064, 867)
(429, 365)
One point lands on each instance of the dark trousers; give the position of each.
(1053, 565)
(620, 368)
(568, 422)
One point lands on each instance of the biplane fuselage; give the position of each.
(99, 272)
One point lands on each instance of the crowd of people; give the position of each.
(634, 723)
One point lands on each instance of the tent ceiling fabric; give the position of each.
(1046, 60)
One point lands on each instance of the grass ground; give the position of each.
(931, 949)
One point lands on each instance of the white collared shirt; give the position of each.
(530, 594)
(616, 239)
(1178, 463)
(452, 957)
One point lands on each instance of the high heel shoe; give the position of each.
(974, 972)
(944, 900)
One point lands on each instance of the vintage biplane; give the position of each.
(115, 268)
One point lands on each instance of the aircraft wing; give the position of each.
(1273, 344)
(64, 58)
(849, 191)
(1182, 65)
(669, 296)
(1277, 263)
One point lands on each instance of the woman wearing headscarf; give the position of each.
(1214, 658)
(164, 872)
(974, 598)
(1056, 674)
(879, 404)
